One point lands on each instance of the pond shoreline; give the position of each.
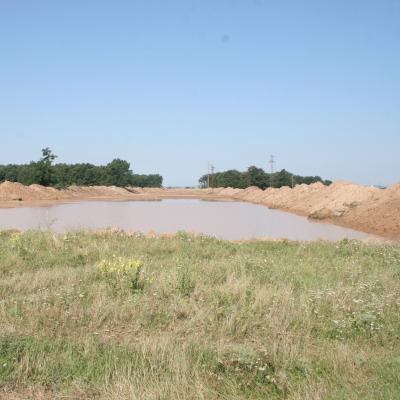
(347, 205)
(228, 220)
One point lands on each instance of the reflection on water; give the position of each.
(228, 220)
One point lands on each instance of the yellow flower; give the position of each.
(120, 270)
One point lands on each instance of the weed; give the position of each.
(185, 281)
(121, 272)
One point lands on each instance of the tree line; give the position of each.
(257, 177)
(45, 172)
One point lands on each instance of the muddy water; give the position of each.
(228, 220)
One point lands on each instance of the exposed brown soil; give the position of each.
(363, 208)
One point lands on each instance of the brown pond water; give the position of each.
(227, 220)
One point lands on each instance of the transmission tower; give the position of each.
(272, 162)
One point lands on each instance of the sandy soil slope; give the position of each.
(359, 207)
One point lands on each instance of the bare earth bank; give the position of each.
(367, 209)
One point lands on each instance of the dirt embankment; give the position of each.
(359, 207)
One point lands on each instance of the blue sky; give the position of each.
(170, 85)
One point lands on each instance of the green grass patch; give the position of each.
(201, 318)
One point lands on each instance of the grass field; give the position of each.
(112, 316)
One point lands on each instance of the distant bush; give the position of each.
(257, 177)
(44, 172)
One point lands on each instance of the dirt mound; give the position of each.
(319, 200)
(394, 189)
(229, 191)
(44, 193)
(89, 192)
(10, 191)
(360, 207)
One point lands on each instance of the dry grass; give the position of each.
(209, 320)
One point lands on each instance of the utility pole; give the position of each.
(212, 176)
(272, 162)
(292, 181)
(208, 175)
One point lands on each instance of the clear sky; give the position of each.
(169, 85)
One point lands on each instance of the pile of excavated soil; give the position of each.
(317, 200)
(380, 215)
(10, 191)
(95, 192)
(359, 207)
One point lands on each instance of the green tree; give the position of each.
(282, 178)
(118, 173)
(45, 172)
(257, 177)
(230, 178)
(45, 167)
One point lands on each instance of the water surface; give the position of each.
(227, 220)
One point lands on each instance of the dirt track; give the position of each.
(363, 208)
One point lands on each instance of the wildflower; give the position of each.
(121, 270)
